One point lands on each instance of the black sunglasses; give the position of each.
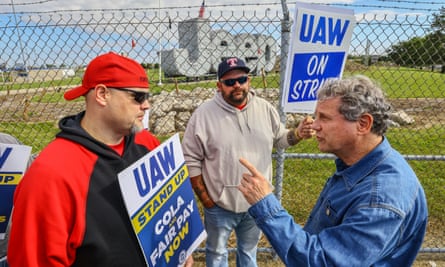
(139, 97)
(231, 82)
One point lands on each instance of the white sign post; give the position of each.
(319, 45)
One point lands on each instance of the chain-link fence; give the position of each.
(43, 54)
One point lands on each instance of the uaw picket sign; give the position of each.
(13, 162)
(161, 205)
(320, 41)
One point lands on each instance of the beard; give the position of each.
(236, 99)
(136, 127)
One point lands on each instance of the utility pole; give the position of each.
(160, 44)
(19, 36)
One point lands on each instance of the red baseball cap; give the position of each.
(112, 70)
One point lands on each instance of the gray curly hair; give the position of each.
(359, 95)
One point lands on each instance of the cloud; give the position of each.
(60, 5)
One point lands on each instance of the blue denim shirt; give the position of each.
(373, 213)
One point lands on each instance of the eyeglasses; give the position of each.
(231, 82)
(139, 97)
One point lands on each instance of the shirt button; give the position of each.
(328, 212)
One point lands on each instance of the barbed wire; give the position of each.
(415, 2)
(28, 3)
(412, 2)
(374, 6)
(388, 7)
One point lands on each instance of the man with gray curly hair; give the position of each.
(372, 210)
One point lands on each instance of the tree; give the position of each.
(422, 51)
(438, 23)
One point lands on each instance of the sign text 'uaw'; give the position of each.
(320, 42)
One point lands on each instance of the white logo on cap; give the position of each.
(232, 62)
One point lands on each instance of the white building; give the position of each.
(201, 50)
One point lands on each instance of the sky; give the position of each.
(369, 9)
(402, 7)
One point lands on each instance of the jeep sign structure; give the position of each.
(201, 49)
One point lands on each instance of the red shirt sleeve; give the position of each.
(49, 205)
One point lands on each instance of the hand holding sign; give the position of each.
(304, 129)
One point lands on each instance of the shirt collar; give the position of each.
(358, 171)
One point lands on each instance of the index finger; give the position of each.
(249, 166)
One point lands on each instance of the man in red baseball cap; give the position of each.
(68, 209)
(112, 70)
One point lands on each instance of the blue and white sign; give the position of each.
(320, 41)
(13, 163)
(161, 205)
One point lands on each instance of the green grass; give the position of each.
(407, 83)
(53, 83)
(28, 133)
(418, 141)
(397, 82)
(405, 140)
